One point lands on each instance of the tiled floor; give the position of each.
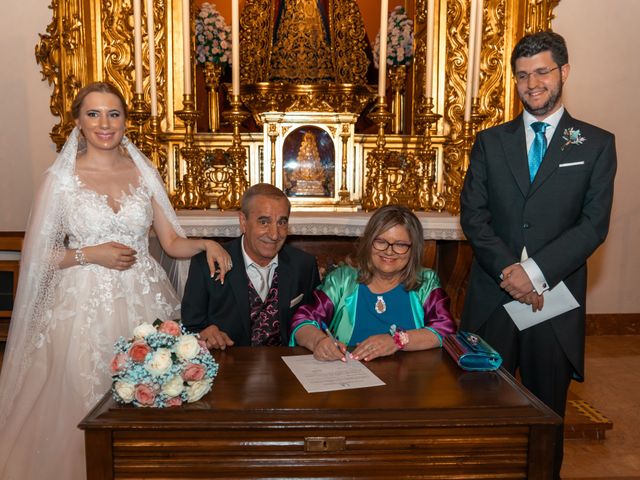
(612, 386)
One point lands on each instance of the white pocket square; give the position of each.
(570, 164)
(296, 300)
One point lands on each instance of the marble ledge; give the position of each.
(212, 223)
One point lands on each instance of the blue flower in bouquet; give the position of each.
(213, 36)
(399, 40)
(161, 366)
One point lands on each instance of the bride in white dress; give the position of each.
(86, 278)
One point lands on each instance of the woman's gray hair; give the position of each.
(382, 220)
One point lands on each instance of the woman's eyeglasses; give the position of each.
(399, 248)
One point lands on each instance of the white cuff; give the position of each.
(535, 275)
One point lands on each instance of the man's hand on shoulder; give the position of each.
(215, 339)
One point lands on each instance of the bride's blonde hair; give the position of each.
(102, 87)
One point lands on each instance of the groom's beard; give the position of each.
(554, 98)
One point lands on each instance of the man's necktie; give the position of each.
(263, 288)
(537, 149)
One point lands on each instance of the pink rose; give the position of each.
(193, 372)
(174, 402)
(118, 362)
(139, 350)
(170, 327)
(144, 394)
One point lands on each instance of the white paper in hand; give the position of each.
(556, 301)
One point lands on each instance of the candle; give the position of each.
(431, 20)
(186, 45)
(470, 58)
(137, 44)
(235, 48)
(477, 49)
(152, 59)
(382, 68)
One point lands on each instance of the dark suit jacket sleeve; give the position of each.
(489, 249)
(568, 251)
(195, 301)
(312, 282)
(304, 278)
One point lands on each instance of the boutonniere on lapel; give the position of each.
(572, 137)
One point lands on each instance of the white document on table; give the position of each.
(556, 301)
(317, 376)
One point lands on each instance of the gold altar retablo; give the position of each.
(303, 63)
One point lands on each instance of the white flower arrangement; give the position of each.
(213, 36)
(399, 40)
(161, 366)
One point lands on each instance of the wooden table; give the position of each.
(430, 420)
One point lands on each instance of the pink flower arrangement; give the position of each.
(213, 36)
(161, 366)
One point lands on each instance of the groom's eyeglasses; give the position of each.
(539, 73)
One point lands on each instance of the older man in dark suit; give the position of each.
(535, 205)
(267, 283)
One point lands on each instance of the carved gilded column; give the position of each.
(397, 79)
(64, 54)
(345, 134)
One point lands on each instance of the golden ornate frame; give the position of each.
(91, 40)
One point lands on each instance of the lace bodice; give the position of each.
(90, 220)
(99, 303)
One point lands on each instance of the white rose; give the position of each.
(159, 363)
(187, 347)
(173, 387)
(197, 390)
(143, 330)
(125, 390)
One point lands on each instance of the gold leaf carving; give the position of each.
(63, 59)
(256, 26)
(348, 42)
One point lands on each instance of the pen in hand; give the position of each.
(345, 357)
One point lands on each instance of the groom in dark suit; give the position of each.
(267, 283)
(534, 224)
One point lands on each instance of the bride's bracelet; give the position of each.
(79, 256)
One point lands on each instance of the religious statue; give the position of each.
(301, 44)
(306, 175)
(296, 42)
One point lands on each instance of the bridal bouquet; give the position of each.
(399, 40)
(213, 36)
(161, 366)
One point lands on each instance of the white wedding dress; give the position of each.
(92, 306)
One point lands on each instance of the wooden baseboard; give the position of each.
(613, 324)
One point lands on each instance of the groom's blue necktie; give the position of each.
(537, 149)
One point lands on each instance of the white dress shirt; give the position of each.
(530, 266)
(256, 273)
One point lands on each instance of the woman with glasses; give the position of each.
(383, 302)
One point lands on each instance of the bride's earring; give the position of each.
(82, 141)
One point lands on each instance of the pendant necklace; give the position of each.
(381, 307)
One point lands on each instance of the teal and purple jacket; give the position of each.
(335, 300)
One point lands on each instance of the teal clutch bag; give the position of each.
(471, 352)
